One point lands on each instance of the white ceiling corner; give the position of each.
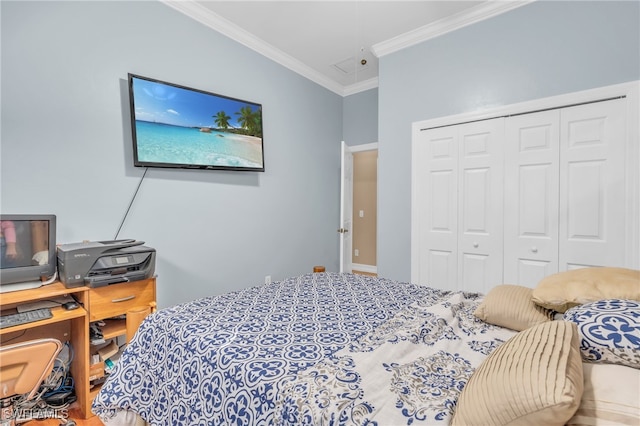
(314, 51)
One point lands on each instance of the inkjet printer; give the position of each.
(100, 263)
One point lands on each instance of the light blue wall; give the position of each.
(66, 145)
(360, 118)
(542, 49)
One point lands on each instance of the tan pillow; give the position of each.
(534, 378)
(572, 288)
(610, 396)
(511, 306)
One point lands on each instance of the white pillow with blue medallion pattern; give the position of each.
(609, 331)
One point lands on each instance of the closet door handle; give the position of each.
(476, 245)
(534, 249)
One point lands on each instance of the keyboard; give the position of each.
(25, 317)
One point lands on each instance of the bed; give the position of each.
(328, 348)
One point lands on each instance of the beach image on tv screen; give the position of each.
(187, 127)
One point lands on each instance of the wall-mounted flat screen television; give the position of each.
(180, 127)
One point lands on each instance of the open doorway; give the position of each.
(365, 209)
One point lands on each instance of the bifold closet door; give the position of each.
(435, 206)
(565, 204)
(518, 198)
(458, 178)
(593, 207)
(480, 195)
(532, 156)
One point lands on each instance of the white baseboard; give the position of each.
(372, 269)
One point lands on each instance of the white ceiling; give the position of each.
(326, 41)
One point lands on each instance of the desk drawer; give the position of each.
(117, 299)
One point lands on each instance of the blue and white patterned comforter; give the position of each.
(315, 349)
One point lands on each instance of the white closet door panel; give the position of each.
(441, 231)
(440, 271)
(530, 272)
(437, 182)
(592, 185)
(419, 211)
(531, 197)
(476, 200)
(442, 196)
(480, 213)
(477, 274)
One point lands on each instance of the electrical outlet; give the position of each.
(267, 279)
(356, 252)
(361, 213)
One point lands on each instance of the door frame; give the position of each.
(355, 148)
(346, 208)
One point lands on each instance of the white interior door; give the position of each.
(435, 206)
(457, 198)
(532, 146)
(480, 205)
(346, 207)
(592, 185)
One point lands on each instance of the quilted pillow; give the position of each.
(511, 306)
(565, 290)
(609, 331)
(534, 378)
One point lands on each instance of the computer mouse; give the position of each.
(69, 306)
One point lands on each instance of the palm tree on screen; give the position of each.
(249, 120)
(222, 120)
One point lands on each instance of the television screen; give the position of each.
(177, 126)
(27, 250)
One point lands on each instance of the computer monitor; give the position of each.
(28, 250)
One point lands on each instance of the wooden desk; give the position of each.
(73, 326)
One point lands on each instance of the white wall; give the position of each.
(66, 145)
(542, 49)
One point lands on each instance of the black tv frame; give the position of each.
(245, 136)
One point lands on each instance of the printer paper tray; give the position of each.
(103, 280)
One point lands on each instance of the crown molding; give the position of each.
(351, 89)
(214, 21)
(229, 29)
(462, 19)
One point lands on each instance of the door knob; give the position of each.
(534, 249)
(476, 245)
